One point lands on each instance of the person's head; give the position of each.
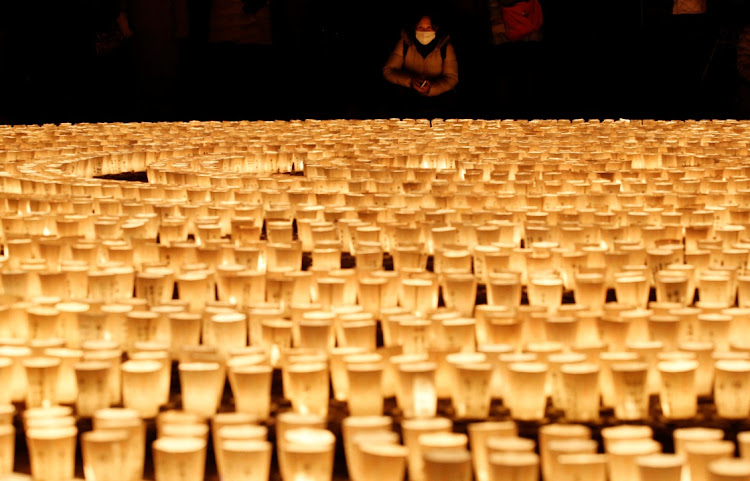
(425, 24)
(425, 29)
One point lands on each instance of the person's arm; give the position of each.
(449, 78)
(743, 54)
(393, 70)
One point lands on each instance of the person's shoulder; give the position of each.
(443, 41)
(406, 38)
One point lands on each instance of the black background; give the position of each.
(598, 59)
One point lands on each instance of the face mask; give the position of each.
(425, 37)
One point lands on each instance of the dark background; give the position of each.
(323, 59)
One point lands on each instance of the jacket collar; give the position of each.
(440, 40)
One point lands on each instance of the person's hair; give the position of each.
(433, 16)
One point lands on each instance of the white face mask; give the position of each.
(425, 37)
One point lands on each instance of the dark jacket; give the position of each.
(441, 72)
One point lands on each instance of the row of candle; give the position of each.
(578, 382)
(273, 146)
(431, 451)
(353, 308)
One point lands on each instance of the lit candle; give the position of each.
(658, 467)
(557, 432)
(202, 386)
(504, 289)
(625, 433)
(516, 466)
(580, 387)
(137, 379)
(417, 396)
(678, 396)
(447, 465)
(622, 458)
(471, 390)
(92, 380)
(365, 397)
(567, 447)
(354, 426)
(52, 452)
(251, 386)
(247, 460)
(103, 454)
(592, 467)
(42, 375)
(235, 432)
(732, 388)
(180, 459)
(382, 462)
(525, 393)
(631, 396)
(309, 387)
(729, 469)
(699, 456)
(546, 291)
(412, 429)
(309, 454)
(7, 449)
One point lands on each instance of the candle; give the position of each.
(729, 469)
(479, 433)
(202, 386)
(41, 375)
(246, 460)
(7, 449)
(622, 457)
(631, 396)
(92, 380)
(417, 396)
(354, 426)
(137, 379)
(103, 454)
(412, 429)
(309, 454)
(365, 395)
(180, 459)
(382, 462)
(658, 467)
(251, 386)
(732, 388)
(592, 467)
(563, 447)
(525, 394)
(700, 455)
(678, 396)
(447, 465)
(52, 452)
(625, 433)
(309, 388)
(516, 466)
(557, 432)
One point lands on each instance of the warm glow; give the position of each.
(275, 355)
(424, 397)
